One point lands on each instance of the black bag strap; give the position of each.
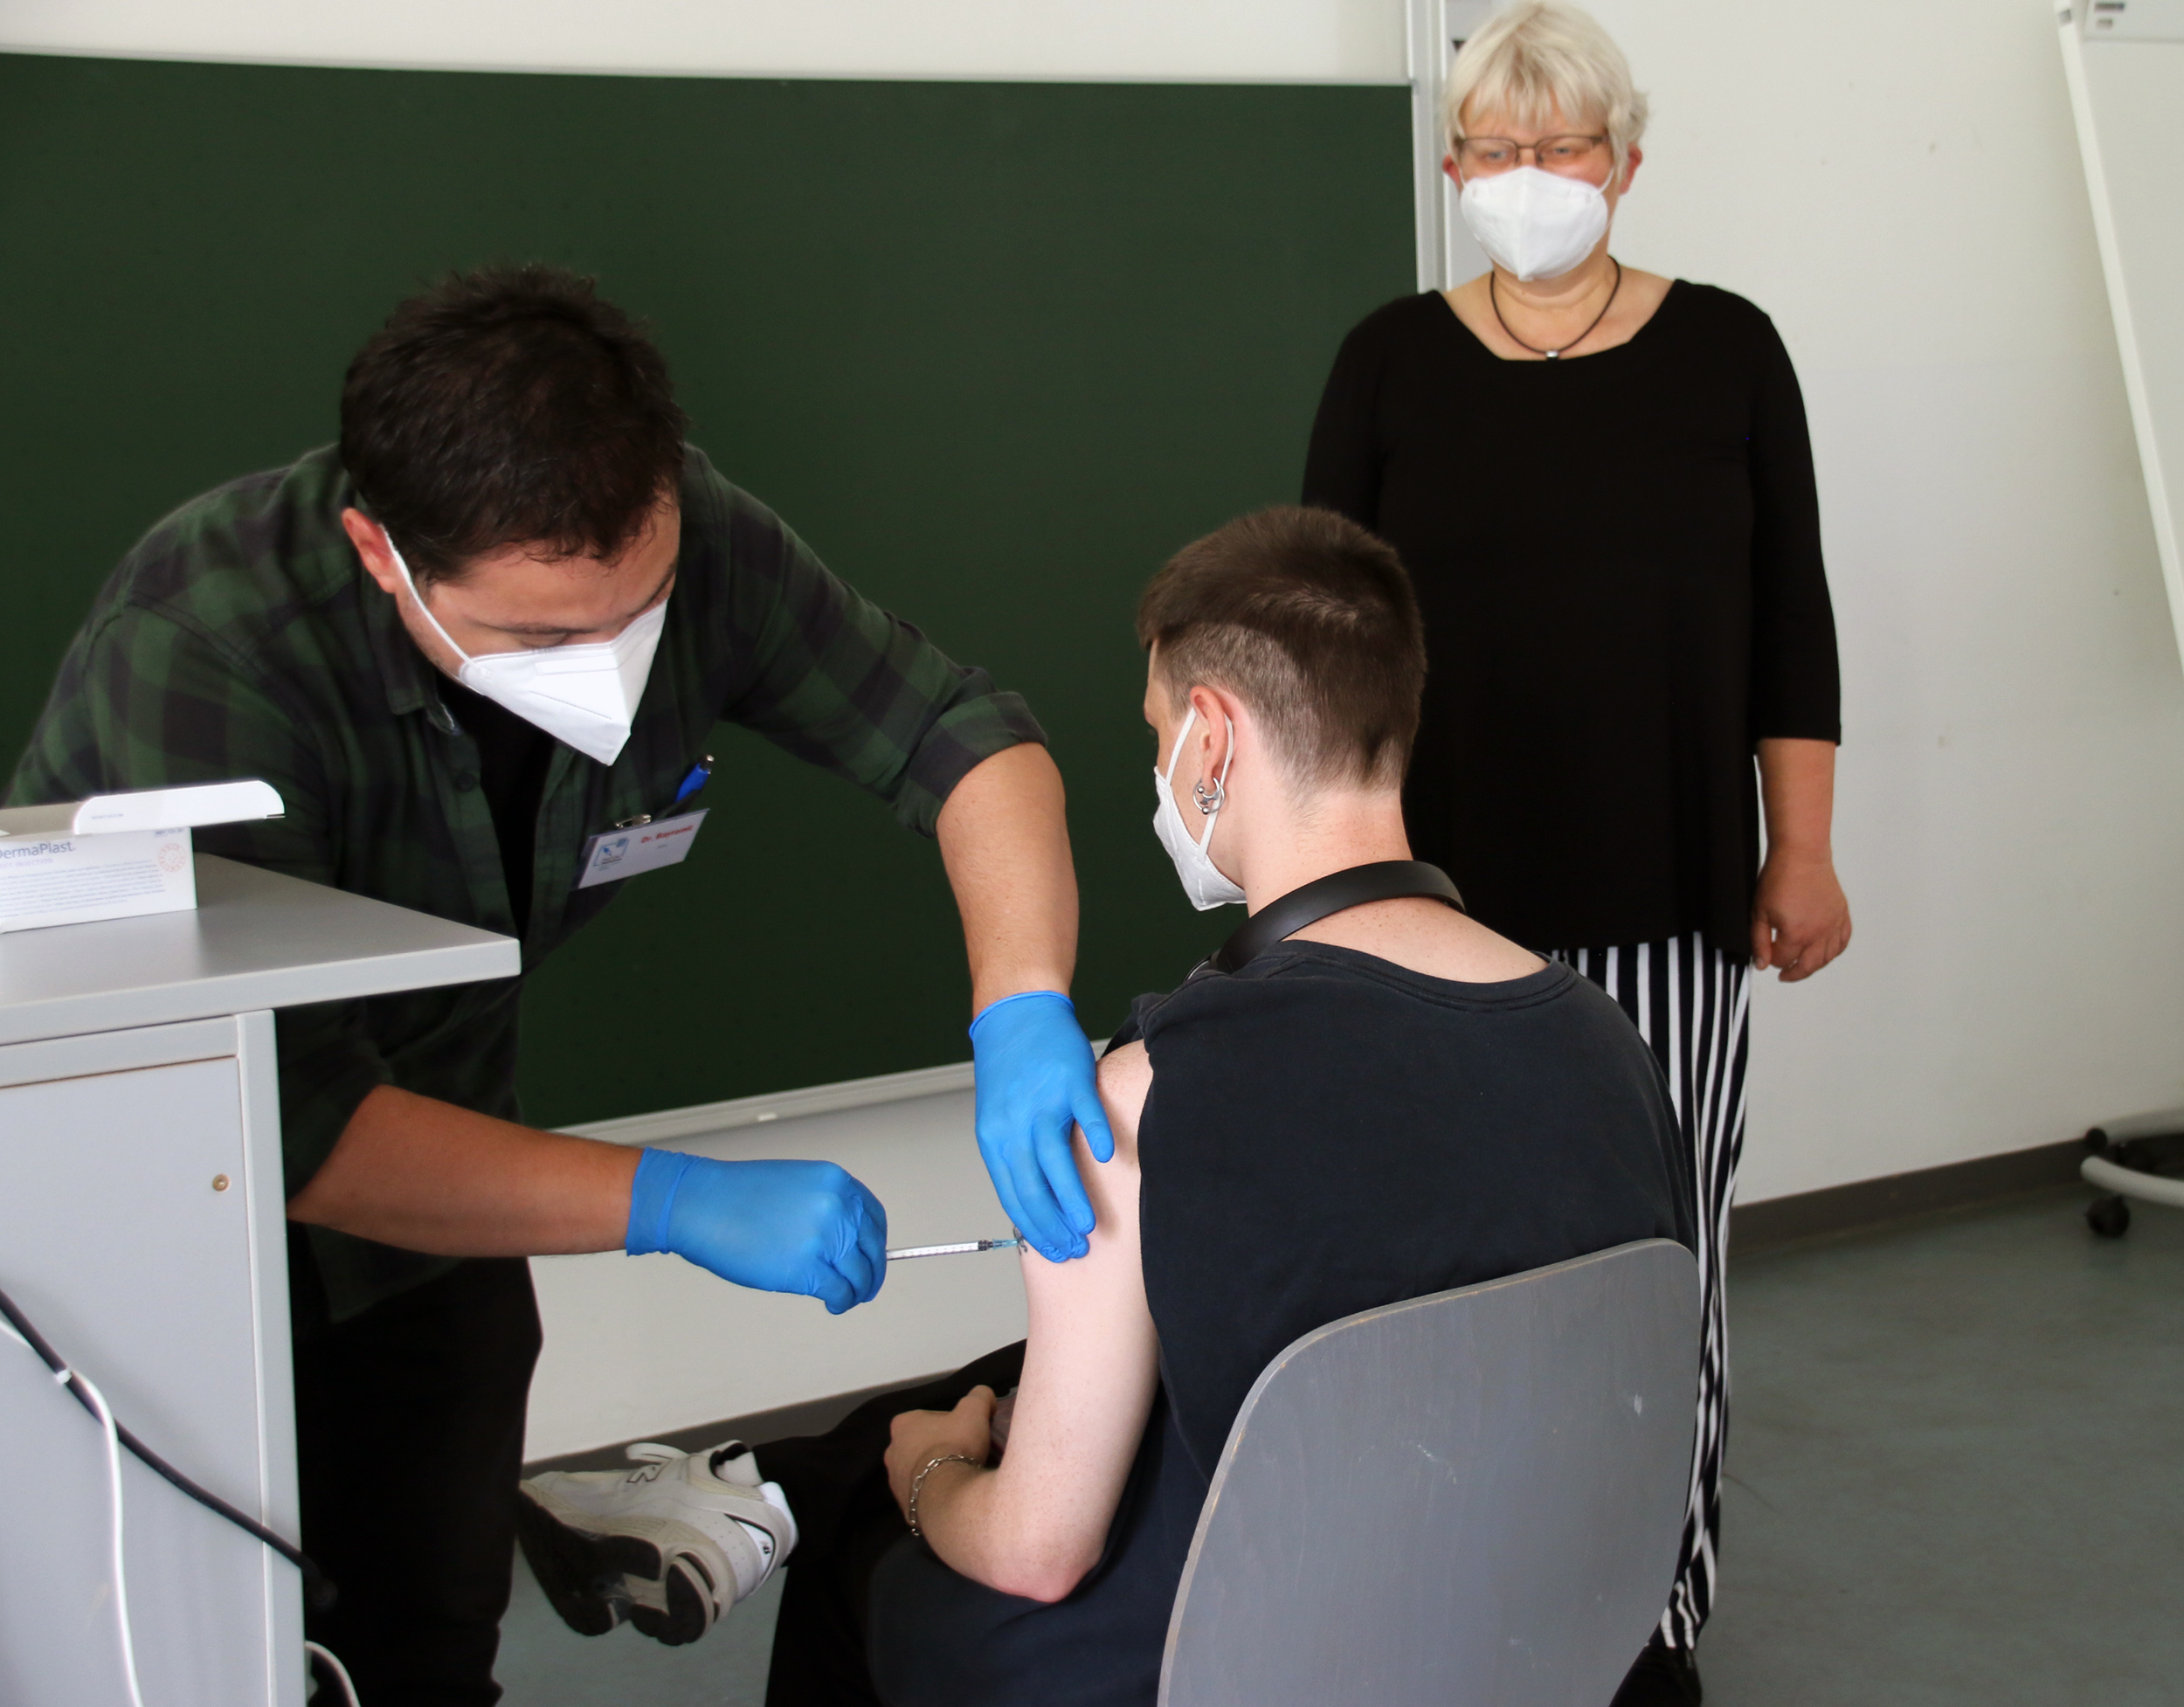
(1384, 879)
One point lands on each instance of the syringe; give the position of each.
(906, 1251)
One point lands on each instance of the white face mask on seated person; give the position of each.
(1535, 225)
(1203, 880)
(585, 696)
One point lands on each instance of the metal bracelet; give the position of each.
(918, 1482)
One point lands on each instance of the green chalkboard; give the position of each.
(996, 349)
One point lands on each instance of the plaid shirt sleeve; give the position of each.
(146, 700)
(829, 676)
(236, 641)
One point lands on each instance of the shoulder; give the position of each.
(1601, 1056)
(1391, 331)
(263, 539)
(728, 534)
(243, 570)
(717, 513)
(1394, 325)
(1723, 316)
(1719, 307)
(1294, 997)
(217, 634)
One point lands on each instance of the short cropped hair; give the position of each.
(1311, 621)
(1535, 56)
(511, 405)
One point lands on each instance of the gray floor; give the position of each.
(1956, 1475)
(1956, 1465)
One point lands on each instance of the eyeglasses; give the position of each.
(1484, 155)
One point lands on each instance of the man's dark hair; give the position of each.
(510, 405)
(1311, 621)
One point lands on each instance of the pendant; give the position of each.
(1551, 355)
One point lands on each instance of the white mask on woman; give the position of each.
(1203, 880)
(585, 696)
(1534, 223)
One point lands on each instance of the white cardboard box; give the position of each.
(113, 856)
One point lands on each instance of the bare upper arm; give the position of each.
(1125, 1076)
(1090, 1365)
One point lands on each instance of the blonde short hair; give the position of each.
(1535, 56)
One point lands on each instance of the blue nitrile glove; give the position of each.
(782, 1226)
(1035, 1078)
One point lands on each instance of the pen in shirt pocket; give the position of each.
(701, 773)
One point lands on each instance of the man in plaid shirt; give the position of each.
(500, 616)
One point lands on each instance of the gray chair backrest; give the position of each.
(1473, 1499)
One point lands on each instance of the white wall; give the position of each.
(1899, 186)
(1262, 39)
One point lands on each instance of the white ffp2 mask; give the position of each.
(1203, 880)
(585, 696)
(1533, 223)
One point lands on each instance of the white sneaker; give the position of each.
(671, 1545)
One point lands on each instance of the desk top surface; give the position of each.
(255, 940)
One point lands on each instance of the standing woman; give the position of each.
(1601, 483)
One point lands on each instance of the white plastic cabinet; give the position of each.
(137, 1233)
(142, 1230)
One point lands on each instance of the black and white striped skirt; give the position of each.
(1690, 1001)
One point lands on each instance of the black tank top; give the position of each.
(1326, 1133)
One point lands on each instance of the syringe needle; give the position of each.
(903, 1253)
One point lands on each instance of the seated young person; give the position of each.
(1387, 1101)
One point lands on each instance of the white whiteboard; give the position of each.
(2124, 60)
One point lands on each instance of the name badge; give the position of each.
(613, 855)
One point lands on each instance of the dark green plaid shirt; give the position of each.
(243, 639)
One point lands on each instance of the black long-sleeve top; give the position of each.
(1618, 559)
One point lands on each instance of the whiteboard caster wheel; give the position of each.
(2109, 1217)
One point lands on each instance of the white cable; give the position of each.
(340, 1671)
(120, 1564)
(114, 1483)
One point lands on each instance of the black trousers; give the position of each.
(410, 1444)
(836, 1485)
